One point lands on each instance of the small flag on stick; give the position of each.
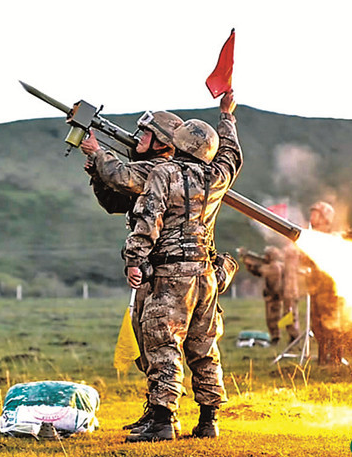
(286, 320)
(220, 80)
(127, 350)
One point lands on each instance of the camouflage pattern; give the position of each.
(162, 123)
(127, 178)
(113, 202)
(326, 315)
(326, 307)
(161, 207)
(273, 313)
(197, 138)
(182, 308)
(226, 268)
(126, 181)
(291, 291)
(271, 270)
(182, 312)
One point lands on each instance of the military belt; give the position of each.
(165, 259)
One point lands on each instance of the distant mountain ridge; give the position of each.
(52, 226)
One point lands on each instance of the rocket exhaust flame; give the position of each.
(327, 251)
(330, 253)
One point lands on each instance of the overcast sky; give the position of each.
(291, 57)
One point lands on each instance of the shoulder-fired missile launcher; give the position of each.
(84, 116)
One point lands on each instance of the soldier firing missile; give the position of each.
(84, 116)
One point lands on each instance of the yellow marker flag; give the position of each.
(286, 320)
(127, 349)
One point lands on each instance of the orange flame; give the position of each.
(332, 254)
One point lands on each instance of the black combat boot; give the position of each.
(144, 422)
(144, 419)
(160, 427)
(208, 423)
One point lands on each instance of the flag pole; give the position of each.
(132, 300)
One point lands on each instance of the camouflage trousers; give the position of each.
(291, 304)
(273, 313)
(182, 316)
(326, 324)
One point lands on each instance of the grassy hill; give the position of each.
(54, 235)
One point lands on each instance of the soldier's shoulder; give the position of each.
(142, 164)
(166, 166)
(162, 170)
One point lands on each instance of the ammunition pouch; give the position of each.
(225, 269)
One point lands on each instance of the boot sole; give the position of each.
(139, 438)
(164, 435)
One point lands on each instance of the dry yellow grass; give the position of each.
(274, 422)
(273, 410)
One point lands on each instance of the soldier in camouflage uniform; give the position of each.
(175, 223)
(291, 291)
(325, 304)
(128, 178)
(271, 268)
(117, 185)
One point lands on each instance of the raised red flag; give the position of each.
(220, 80)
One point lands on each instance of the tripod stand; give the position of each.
(306, 335)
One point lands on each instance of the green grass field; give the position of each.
(273, 410)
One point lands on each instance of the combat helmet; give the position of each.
(197, 138)
(326, 210)
(162, 123)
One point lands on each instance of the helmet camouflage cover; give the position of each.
(326, 210)
(197, 138)
(162, 123)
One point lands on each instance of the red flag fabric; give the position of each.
(280, 209)
(220, 80)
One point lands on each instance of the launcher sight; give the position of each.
(82, 117)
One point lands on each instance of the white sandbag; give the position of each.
(69, 407)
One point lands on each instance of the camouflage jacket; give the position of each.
(273, 276)
(291, 275)
(127, 178)
(117, 184)
(112, 201)
(163, 228)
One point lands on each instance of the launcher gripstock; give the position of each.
(84, 116)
